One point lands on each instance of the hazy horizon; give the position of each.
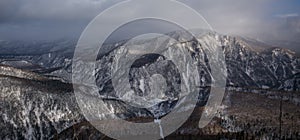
(267, 21)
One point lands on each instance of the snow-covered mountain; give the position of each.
(250, 63)
(37, 99)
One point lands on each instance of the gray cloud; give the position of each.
(47, 19)
(50, 19)
(267, 20)
(240, 17)
(16, 10)
(287, 15)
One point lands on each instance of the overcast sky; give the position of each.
(55, 19)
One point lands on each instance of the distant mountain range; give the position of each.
(260, 64)
(36, 93)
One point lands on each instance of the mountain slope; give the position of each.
(37, 99)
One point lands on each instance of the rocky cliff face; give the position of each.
(37, 100)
